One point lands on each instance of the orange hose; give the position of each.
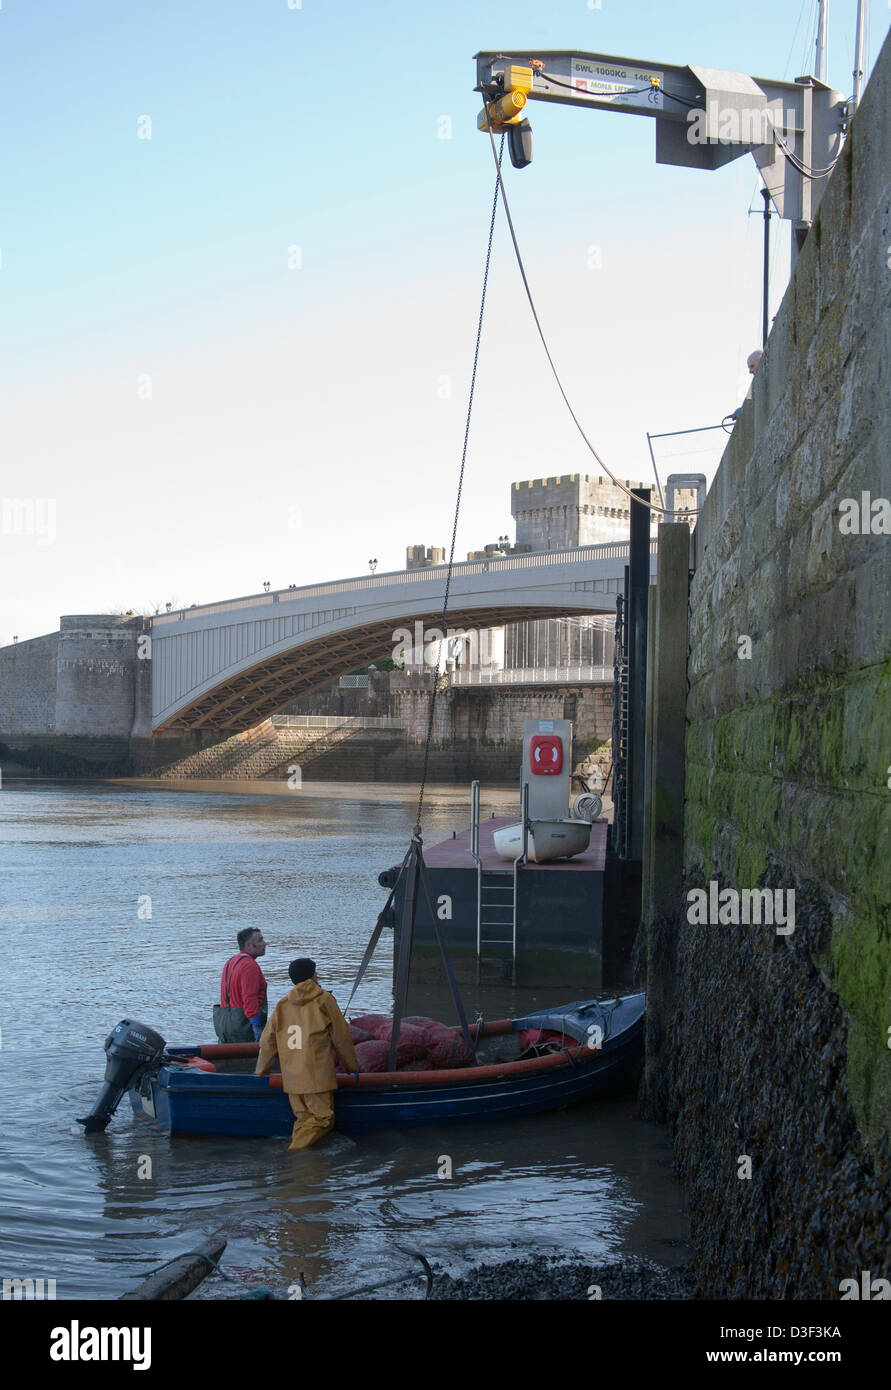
(487, 1073)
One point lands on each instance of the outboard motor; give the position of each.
(131, 1049)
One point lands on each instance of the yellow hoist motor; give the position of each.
(505, 113)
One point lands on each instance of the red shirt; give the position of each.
(246, 985)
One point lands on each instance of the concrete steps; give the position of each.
(266, 753)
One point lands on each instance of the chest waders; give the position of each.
(233, 1025)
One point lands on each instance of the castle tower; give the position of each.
(571, 510)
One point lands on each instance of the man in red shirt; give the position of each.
(240, 1015)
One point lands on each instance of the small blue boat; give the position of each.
(600, 1047)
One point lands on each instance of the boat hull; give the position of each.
(546, 841)
(194, 1102)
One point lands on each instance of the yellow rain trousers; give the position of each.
(315, 1118)
(303, 1031)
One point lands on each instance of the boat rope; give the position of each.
(445, 605)
(187, 1254)
(653, 506)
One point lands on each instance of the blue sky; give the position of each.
(303, 420)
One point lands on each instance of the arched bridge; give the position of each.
(229, 665)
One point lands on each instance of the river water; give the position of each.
(123, 900)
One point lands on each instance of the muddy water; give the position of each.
(123, 900)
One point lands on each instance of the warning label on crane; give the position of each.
(623, 86)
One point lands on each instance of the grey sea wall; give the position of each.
(771, 1055)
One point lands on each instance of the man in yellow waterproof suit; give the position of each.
(305, 1028)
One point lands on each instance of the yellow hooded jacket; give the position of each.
(304, 1029)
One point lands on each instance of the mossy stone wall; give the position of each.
(779, 1045)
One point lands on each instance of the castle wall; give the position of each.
(571, 510)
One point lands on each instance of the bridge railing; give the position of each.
(610, 550)
(584, 674)
(332, 721)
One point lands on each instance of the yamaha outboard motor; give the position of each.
(131, 1049)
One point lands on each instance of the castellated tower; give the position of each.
(571, 510)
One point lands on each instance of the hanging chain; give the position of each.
(437, 676)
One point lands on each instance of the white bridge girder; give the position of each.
(228, 665)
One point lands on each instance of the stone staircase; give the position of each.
(266, 752)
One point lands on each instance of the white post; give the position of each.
(858, 55)
(820, 63)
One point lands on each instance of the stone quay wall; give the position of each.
(772, 1057)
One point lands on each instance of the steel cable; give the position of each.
(652, 506)
(445, 605)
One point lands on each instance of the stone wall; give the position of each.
(86, 679)
(28, 686)
(776, 1048)
(487, 715)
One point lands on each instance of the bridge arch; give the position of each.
(228, 665)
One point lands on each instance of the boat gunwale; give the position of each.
(579, 1059)
(582, 1054)
(575, 1056)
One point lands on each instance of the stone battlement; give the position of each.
(572, 509)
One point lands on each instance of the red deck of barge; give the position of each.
(455, 854)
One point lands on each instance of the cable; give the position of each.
(636, 91)
(653, 506)
(799, 164)
(696, 105)
(811, 40)
(654, 86)
(448, 583)
(631, 92)
(794, 37)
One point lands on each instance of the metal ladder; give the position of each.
(496, 894)
(620, 734)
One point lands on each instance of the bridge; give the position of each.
(229, 665)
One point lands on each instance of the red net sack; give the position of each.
(410, 1052)
(430, 1030)
(408, 1033)
(429, 1025)
(373, 1055)
(449, 1052)
(413, 1066)
(534, 1037)
(358, 1034)
(370, 1022)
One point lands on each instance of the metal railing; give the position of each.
(332, 721)
(609, 550)
(580, 674)
(620, 734)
